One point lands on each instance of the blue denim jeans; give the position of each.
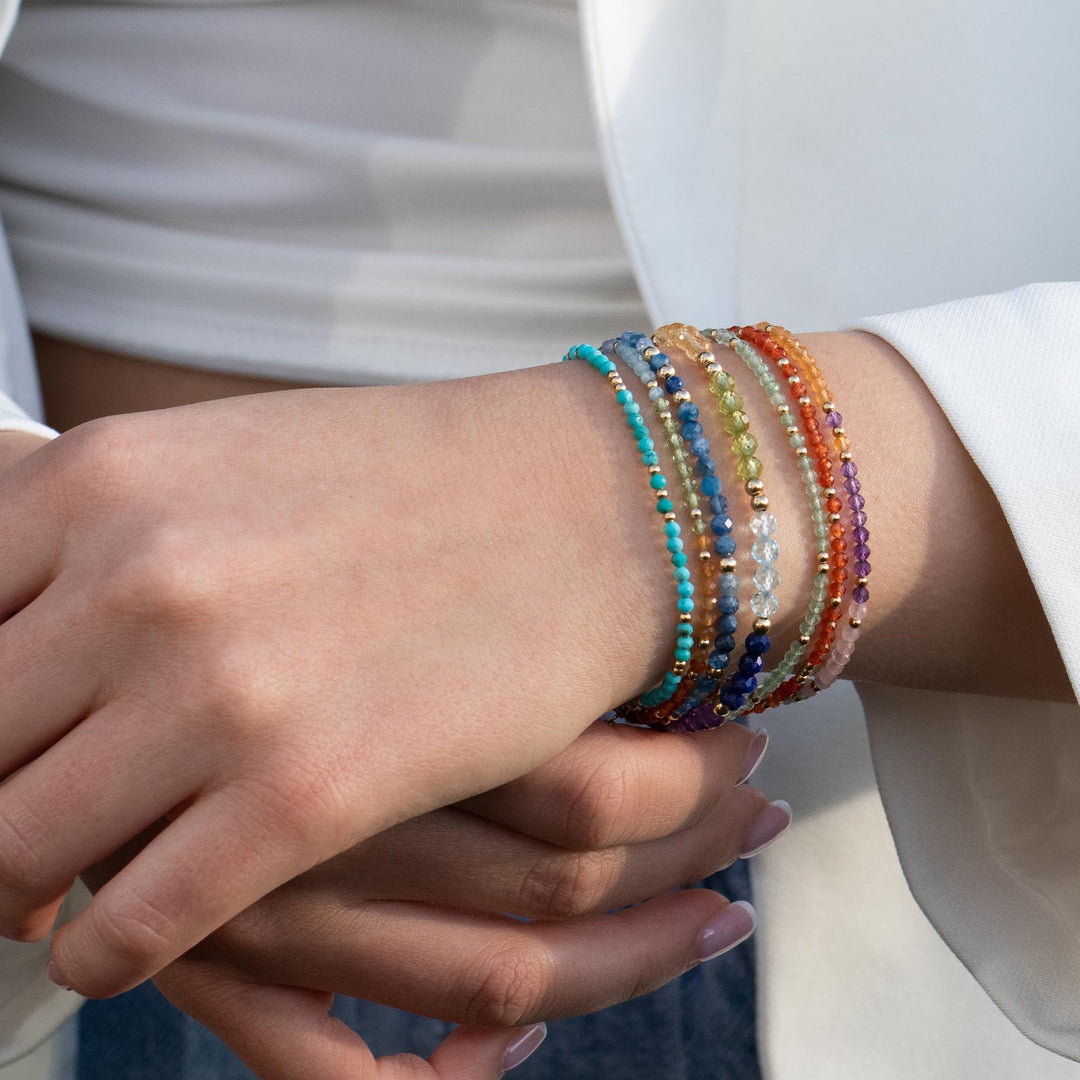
(700, 1027)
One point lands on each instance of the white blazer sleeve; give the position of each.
(983, 794)
(20, 398)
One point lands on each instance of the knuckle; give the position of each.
(299, 807)
(134, 930)
(511, 985)
(598, 809)
(21, 869)
(101, 459)
(165, 578)
(564, 886)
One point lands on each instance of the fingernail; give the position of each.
(754, 756)
(733, 925)
(57, 976)
(768, 825)
(524, 1046)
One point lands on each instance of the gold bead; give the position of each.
(713, 369)
(682, 395)
(834, 518)
(705, 643)
(804, 400)
(828, 406)
(652, 384)
(793, 430)
(801, 451)
(760, 502)
(662, 494)
(706, 358)
(728, 566)
(762, 626)
(650, 351)
(834, 602)
(793, 379)
(838, 432)
(754, 486)
(666, 371)
(804, 639)
(695, 514)
(829, 493)
(685, 617)
(855, 623)
(664, 416)
(654, 469)
(679, 667)
(861, 581)
(671, 516)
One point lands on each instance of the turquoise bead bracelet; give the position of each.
(666, 508)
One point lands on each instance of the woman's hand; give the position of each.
(364, 922)
(294, 620)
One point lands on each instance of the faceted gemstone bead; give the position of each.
(689, 411)
(730, 698)
(724, 643)
(766, 577)
(749, 664)
(862, 568)
(727, 624)
(743, 684)
(722, 525)
(758, 644)
(725, 546)
(852, 487)
(834, 419)
(858, 611)
(728, 583)
(764, 604)
(858, 519)
(861, 594)
(728, 604)
(691, 429)
(763, 524)
(765, 550)
(848, 469)
(719, 660)
(744, 444)
(750, 468)
(856, 502)
(860, 535)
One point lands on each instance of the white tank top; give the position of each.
(351, 191)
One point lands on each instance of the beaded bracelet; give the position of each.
(652, 372)
(664, 507)
(776, 397)
(743, 682)
(830, 671)
(651, 365)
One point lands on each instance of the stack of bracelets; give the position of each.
(712, 679)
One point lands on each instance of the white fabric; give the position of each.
(399, 188)
(814, 163)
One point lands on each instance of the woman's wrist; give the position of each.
(952, 598)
